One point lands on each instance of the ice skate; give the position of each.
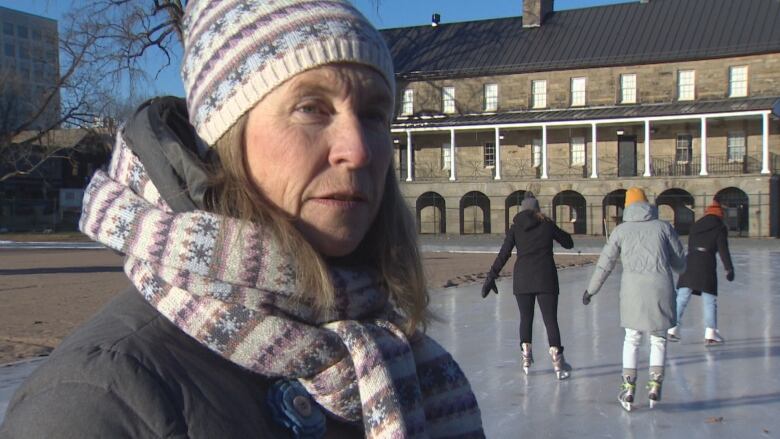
(654, 388)
(560, 365)
(528, 356)
(712, 337)
(627, 389)
(673, 334)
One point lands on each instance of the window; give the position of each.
(577, 92)
(408, 104)
(8, 28)
(448, 100)
(446, 158)
(491, 97)
(24, 51)
(539, 93)
(684, 148)
(36, 35)
(536, 153)
(490, 154)
(686, 85)
(21, 31)
(628, 88)
(10, 49)
(577, 151)
(738, 81)
(736, 146)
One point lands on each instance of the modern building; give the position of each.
(675, 96)
(29, 71)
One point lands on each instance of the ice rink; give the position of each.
(728, 391)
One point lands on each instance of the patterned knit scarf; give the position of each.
(230, 286)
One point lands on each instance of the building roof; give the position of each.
(592, 113)
(620, 34)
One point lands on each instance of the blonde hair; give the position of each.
(390, 245)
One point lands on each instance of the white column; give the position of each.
(409, 161)
(452, 154)
(498, 156)
(594, 161)
(647, 149)
(703, 146)
(765, 144)
(544, 151)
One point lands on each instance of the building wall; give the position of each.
(29, 67)
(593, 191)
(656, 83)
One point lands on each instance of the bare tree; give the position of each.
(107, 48)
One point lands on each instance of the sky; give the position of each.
(389, 14)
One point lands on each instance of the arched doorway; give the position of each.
(431, 214)
(569, 212)
(736, 210)
(676, 206)
(474, 214)
(612, 210)
(512, 206)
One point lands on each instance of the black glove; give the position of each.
(490, 284)
(586, 297)
(730, 275)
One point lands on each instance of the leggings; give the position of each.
(548, 303)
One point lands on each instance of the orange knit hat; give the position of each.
(714, 209)
(634, 194)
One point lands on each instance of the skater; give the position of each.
(649, 251)
(277, 286)
(709, 235)
(535, 278)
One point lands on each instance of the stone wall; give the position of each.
(656, 83)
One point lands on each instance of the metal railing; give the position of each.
(561, 167)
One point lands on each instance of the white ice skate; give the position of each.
(673, 334)
(712, 337)
(627, 389)
(528, 356)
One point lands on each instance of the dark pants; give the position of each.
(548, 303)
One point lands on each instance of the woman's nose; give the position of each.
(349, 144)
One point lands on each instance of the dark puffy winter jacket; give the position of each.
(130, 373)
(533, 237)
(708, 236)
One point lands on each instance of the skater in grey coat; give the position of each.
(649, 250)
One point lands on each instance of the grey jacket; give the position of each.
(649, 250)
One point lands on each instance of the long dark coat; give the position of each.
(708, 235)
(130, 373)
(534, 270)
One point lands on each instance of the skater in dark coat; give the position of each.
(708, 236)
(535, 277)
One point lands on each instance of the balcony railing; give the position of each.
(717, 164)
(660, 166)
(561, 167)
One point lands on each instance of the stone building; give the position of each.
(675, 96)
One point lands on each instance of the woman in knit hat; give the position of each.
(535, 278)
(649, 251)
(708, 235)
(277, 289)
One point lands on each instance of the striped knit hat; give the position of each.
(237, 51)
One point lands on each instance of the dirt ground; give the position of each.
(45, 294)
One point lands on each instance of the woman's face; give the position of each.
(319, 148)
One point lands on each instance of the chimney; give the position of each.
(535, 11)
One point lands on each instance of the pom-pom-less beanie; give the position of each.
(237, 51)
